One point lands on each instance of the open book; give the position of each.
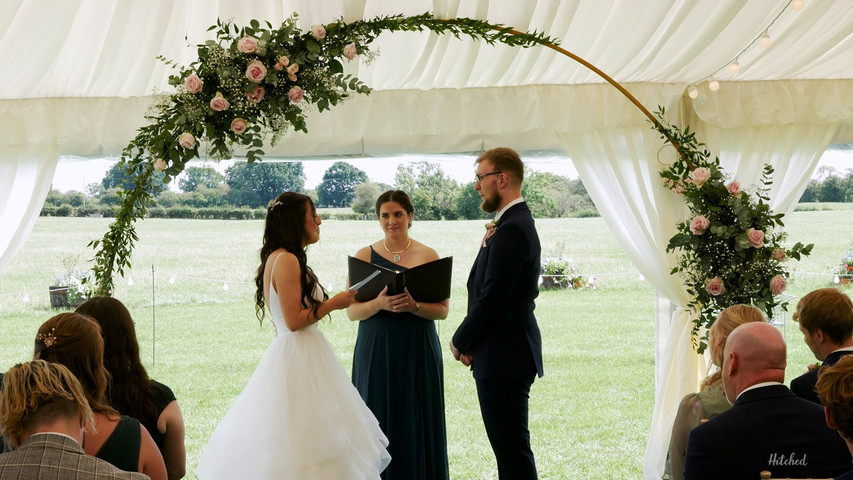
(429, 282)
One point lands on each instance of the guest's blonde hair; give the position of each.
(40, 392)
(729, 319)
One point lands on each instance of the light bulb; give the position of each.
(172, 279)
(798, 5)
(225, 286)
(836, 280)
(129, 281)
(734, 67)
(25, 298)
(692, 92)
(765, 40)
(714, 85)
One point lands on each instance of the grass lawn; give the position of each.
(590, 414)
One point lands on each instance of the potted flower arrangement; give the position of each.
(844, 272)
(562, 273)
(73, 286)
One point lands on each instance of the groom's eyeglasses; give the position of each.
(480, 177)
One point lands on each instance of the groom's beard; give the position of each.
(491, 202)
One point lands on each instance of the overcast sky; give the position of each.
(75, 174)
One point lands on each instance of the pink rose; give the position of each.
(778, 284)
(238, 126)
(293, 68)
(715, 286)
(186, 140)
(247, 44)
(160, 164)
(219, 103)
(284, 60)
(734, 188)
(193, 83)
(256, 71)
(349, 51)
(256, 95)
(700, 176)
(295, 94)
(756, 238)
(318, 32)
(699, 225)
(779, 255)
(279, 67)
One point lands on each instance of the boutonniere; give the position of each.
(491, 228)
(813, 366)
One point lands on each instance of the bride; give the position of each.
(299, 417)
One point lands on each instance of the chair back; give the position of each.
(765, 475)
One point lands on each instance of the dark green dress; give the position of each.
(398, 371)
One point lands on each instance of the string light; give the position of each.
(172, 279)
(734, 67)
(693, 92)
(225, 286)
(129, 281)
(25, 298)
(714, 85)
(765, 40)
(798, 5)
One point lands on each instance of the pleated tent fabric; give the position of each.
(78, 76)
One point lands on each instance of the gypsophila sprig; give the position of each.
(249, 85)
(730, 250)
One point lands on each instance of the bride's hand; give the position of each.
(342, 300)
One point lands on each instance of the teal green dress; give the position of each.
(397, 369)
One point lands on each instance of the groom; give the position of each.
(499, 336)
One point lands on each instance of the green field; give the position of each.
(192, 299)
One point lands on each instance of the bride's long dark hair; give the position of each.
(285, 228)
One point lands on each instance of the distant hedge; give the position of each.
(181, 212)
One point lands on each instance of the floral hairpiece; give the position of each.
(48, 339)
(273, 203)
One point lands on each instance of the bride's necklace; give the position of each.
(397, 254)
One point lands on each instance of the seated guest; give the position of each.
(711, 398)
(826, 320)
(835, 389)
(74, 340)
(43, 413)
(768, 427)
(130, 391)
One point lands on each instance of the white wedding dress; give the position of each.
(298, 418)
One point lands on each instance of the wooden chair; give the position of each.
(765, 475)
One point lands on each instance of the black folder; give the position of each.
(429, 282)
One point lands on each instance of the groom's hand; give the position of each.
(454, 351)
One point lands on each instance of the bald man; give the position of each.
(768, 427)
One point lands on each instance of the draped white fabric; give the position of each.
(620, 169)
(25, 177)
(78, 76)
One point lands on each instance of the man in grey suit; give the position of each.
(43, 416)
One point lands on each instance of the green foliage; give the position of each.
(243, 93)
(338, 186)
(200, 177)
(255, 184)
(364, 201)
(434, 195)
(731, 249)
(555, 196)
(468, 203)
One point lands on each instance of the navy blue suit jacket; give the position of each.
(768, 428)
(804, 385)
(500, 329)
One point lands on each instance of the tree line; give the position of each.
(830, 185)
(245, 188)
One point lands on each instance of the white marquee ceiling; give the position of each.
(79, 72)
